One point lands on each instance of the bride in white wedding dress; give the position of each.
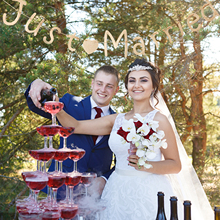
(131, 191)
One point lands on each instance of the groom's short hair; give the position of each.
(109, 70)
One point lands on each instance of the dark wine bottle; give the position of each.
(47, 95)
(217, 212)
(187, 210)
(173, 208)
(160, 211)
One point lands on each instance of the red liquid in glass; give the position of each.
(72, 180)
(50, 216)
(21, 207)
(48, 130)
(23, 211)
(56, 181)
(66, 131)
(69, 212)
(53, 107)
(87, 179)
(51, 209)
(29, 214)
(76, 154)
(43, 155)
(61, 155)
(36, 184)
(27, 174)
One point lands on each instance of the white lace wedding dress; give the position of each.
(131, 194)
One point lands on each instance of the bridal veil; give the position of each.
(186, 183)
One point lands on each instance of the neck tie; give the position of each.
(98, 115)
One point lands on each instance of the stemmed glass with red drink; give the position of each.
(72, 179)
(75, 155)
(68, 208)
(30, 214)
(63, 153)
(65, 132)
(68, 211)
(53, 108)
(24, 175)
(87, 178)
(55, 180)
(36, 181)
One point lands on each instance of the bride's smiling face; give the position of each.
(140, 85)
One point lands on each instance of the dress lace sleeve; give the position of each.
(118, 121)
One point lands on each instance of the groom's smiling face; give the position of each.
(104, 87)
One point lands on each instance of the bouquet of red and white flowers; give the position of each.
(145, 136)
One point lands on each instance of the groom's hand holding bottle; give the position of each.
(35, 91)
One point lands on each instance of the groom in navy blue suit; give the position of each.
(98, 157)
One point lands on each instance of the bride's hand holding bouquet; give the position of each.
(145, 137)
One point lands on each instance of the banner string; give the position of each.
(60, 33)
(73, 36)
(28, 16)
(15, 8)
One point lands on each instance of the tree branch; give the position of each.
(12, 103)
(210, 91)
(12, 119)
(209, 113)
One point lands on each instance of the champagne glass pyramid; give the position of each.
(53, 107)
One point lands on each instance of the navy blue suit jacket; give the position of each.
(98, 158)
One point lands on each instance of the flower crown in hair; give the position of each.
(139, 67)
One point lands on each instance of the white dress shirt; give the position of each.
(105, 111)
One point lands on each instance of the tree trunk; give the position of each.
(197, 114)
(61, 23)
